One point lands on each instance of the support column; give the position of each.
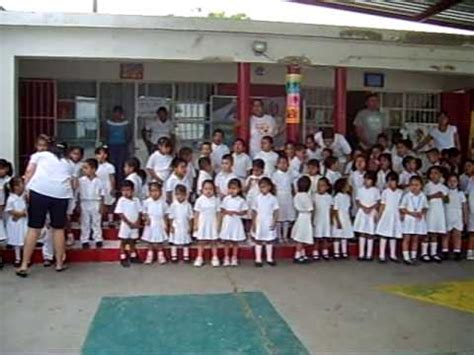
(243, 100)
(340, 102)
(8, 112)
(293, 103)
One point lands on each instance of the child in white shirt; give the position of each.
(331, 171)
(385, 168)
(342, 225)
(129, 210)
(75, 155)
(155, 215)
(242, 161)
(268, 155)
(205, 173)
(356, 179)
(224, 176)
(130, 169)
(178, 177)
(16, 211)
(312, 172)
(456, 218)
(302, 231)
(158, 165)
(312, 149)
(323, 204)
(186, 154)
(409, 169)
(91, 197)
(5, 173)
(180, 219)
(106, 173)
(219, 149)
(297, 162)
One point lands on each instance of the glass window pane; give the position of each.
(71, 89)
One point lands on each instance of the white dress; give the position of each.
(208, 209)
(16, 230)
(242, 165)
(103, 173)
(322, 215)
(265, 206)
(414, 203)
(156, 211)
(405, 176)
(232, 227)
(3, 183)
(251, 184)
(332, 176)
(202, 176)
(160, 164)
(222, 182)
(454, 210)
(389, 224)
(283, 181)
(382, 179)
(130, 208)
(302, 230)
(436, 216)
(365, 222)
(180, 213)
(342, 206)
(137, 185)
(356, 180)
(270, 158)
(174, 181)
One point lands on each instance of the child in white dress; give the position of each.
(367, 199)
(456, 218)
(178, 177)
(242, 161)
(436, 192)
(106, 173)
(331, 169)
(91, 194)
(186, 153)
(297, 162)
(268, 155)
(155, 216)
(75, 155)
(129, 210)
(5, 173)
(409, 169)
(312, 168)
(219, 149)
(204, 174)
(385, 168)
(224, 176)
(233, 208)
(323, 203)
(342, 225)
(16, 212)
(158, 165)
(302, 231)
(206, 223)
(180, 216)
(251, 189)
(413, 210)
(389, 226)
(264, 218)
(130, 169)
(283, 179)
(356, 179)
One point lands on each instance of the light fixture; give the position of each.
(259, 47)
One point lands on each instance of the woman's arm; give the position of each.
(30, 171)
(457, 143)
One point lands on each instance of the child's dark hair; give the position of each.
(203, 162)
(303, 184)
(388, 157)
(376, 146)
(184, 152)
(435, 168)
(180, 189)
(177, 161)
(5, 164)
(244, 143)
(229, 158)
(327, 182)
(258, 163)
(449, 176)
(268, 138)
(267, 181)
(282, 157)
(235, 183)
(206, 143)
(310, 136)
(330, 161)
(76, 147)
(329, 151)
(102, 149)
(128, 184)
(407, 160)
(313, 162)
(416, 178)
(156, 184)
(117, 108)
(142, 174)
(216, 131)
(93, 163)
(14, 182)
(392, 176)
(419, 163)
(370, 175)
(362, 156)
(164, 142)
(339, 185)
(133, 163)
(300, 147)
(209, 182)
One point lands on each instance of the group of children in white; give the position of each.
(303, 193)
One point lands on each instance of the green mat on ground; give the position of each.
(231, 323)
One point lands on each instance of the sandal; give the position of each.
(21, 273)
(61, 269)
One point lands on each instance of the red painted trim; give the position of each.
(243, 100)
(340, 102)
(458, 107)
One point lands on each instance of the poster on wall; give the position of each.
(146, 112)
(131, 71)
(224, 116)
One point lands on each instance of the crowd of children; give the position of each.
(304, 193)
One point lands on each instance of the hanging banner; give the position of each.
(293, 98)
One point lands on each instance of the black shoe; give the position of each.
(125, 262)
(47, 262)
(445, 255)
(316, 257)
(408, 262)
(369, 259)
(85, 246)
(345, 256)
(361, 258)
(99, 245)
(382, 261)
(135, 260)
(174, 259)
(395, 260)
(21, 273)
(425, 258)
(326, 257)
(457, 257)
(17, 263)
(258, 264)
(271, 263)
(337, 256)
(436, 258)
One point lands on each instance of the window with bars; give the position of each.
(318, 109)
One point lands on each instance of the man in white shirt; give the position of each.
(261, 125)
(339, 145)
(156, 129)
(370, 122)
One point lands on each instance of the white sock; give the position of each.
(406, 255)
(17, 253)
(445, 250)
(393, 248)
(413, 254)
(370, 248)
(361, 247)
(174, 252)
(315, 252)
(258, 253)
(457, 250)
(297, 254)
(186, 252)
(325, 252)
(433, 248)
(470, 252)
(303, 252)
(336, 248)
(344, 246)
(269, 252)
(424, 248)
(382, 248)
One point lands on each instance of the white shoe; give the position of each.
(70, 240)
(198, 262)
(215, 262)
(149, 257)
(161, 258)
(234, 262)
(226, 262)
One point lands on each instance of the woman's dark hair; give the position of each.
(5, 164)
(235, 183)
(93, 163)
(58, 149)
(134, 163)
(388, 157)
(267, 181)
(303, 184)
(370, 175)
(156, 184)
(180, 189)
(209, 182)
(339, 185)
(392, 176)
(203, 162)
(258, 163)
(102, 149)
